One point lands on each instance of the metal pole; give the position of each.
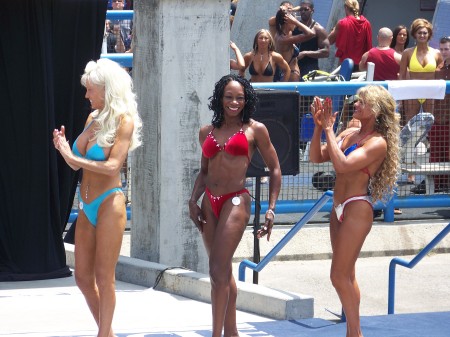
(256, 226)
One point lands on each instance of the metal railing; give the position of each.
(289, 235)
(410, 264)
(297, 194)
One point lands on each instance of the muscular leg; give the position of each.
(110, 227)
(85, 263)
(221, 239)
(96, 254)
(347, 239)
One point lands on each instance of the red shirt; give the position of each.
(354, 38)
(386, 68)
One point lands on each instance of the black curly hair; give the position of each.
(216, 100)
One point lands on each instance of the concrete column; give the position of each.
(181, 50)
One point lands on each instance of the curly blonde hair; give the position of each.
(119, 101)
(382, 104)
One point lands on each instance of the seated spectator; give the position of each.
(263, 60)
(386, 59)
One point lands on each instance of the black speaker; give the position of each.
(278, 110)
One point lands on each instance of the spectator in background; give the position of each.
(386, 59)
(122, 27)
(114, 43)
(400, 40)
(263, 60)
(285, 41)
(439, 135)
(239, 63)
(315, 48)
(233, 7)
(128, 4)
(352, 34)
(420, 62)
(284, 5)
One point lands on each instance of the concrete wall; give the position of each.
(382, 13)
(181, 50)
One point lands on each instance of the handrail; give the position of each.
(308, 216)
(411, 264)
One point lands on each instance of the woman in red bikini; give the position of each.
(365, 160)
(227, 147)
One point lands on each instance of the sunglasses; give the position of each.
(444, 39)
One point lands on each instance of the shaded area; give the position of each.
(44, 48)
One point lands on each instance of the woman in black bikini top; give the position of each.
(263, 60)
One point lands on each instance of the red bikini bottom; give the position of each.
(218, 201)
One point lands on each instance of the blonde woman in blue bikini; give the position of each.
(365, 160)
(111, 131)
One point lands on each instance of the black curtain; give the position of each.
(44, 47)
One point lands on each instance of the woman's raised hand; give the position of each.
(328, 117)
(316, 111)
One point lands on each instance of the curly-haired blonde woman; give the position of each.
(365, 160)
(111, 131)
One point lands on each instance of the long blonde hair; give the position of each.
(387, 123)
(119, 101)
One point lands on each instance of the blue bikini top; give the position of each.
(94, 153)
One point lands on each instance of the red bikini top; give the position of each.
(237, 145)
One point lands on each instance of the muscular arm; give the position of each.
(195, 212)
(117, 156)
(371, 151)
(247, 60)
(363, 62)
(318, 153)
(324, 45)
(332, 35)
(404, 61)
(281, 62)
(239, 63)
(269, 155)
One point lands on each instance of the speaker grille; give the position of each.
(279, 112)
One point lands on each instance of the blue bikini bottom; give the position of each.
(91, 209)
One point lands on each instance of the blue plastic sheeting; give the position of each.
(124, 59)
(119, 15)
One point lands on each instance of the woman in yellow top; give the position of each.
(419, 63)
